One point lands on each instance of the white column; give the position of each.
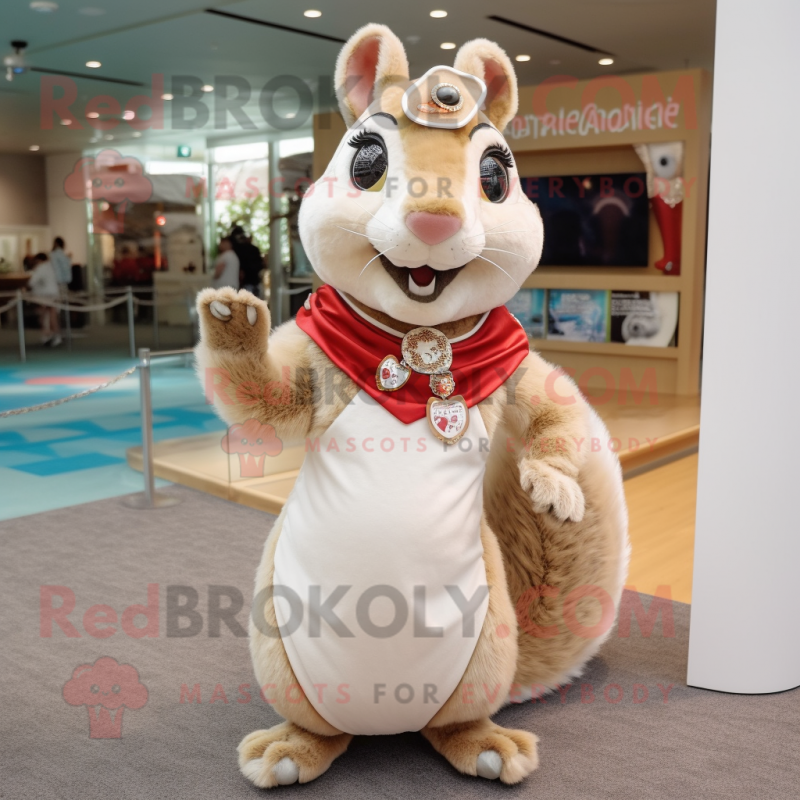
(745, 624)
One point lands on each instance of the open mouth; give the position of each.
(423, 284)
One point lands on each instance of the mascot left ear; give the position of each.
(372, 58)
(488, 61)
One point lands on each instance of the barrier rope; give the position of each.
(66, 307)
(15, 411)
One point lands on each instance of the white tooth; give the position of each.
(220, 310)
(252, 315)
(422, 291)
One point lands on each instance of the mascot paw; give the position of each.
(486, 750)
(231, 320)
(287, 754)
(552, 491)
(490, 765)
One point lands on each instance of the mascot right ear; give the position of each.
(372, 59)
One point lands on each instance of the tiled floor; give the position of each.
(75, 453)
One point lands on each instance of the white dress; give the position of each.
(382, 507)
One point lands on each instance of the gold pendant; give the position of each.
(442, 385)
(427, 351)
(448, 418)
(391, 375)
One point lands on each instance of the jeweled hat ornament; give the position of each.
(427, 351)
(444, 97)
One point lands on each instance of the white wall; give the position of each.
(745, 635)
(67, 217)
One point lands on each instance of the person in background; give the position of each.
(43, 283)
(62, 264)
(250, 261)
(226, 267)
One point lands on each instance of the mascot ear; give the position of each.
(372, 58)
(488, 61)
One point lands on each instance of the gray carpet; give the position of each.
(699, 744)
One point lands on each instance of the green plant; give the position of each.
(251, 213)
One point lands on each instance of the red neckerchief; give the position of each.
(481, 363)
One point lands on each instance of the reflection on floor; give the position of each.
(75, 453)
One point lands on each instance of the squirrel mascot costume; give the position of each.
(457, 536)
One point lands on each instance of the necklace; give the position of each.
(427, 351)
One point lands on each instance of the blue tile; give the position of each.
(11, 439)
(59, 466)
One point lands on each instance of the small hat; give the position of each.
(444, 97)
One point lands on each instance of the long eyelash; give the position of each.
(502, 152)
(362, 138)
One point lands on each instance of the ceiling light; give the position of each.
(208, 88)
(312, 13)
(93, 64)
(34, 147)
(166, 96)
(522, 58)
(606, 62)
(438, 14)
(129, 115)
(137, 134)
(92, 115)
(66, 122)
(448, 45)
(43, 6)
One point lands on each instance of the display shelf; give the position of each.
(617, 279)
(603, 348)
(544, 147)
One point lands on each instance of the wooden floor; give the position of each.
(661, 509)
(661, 501)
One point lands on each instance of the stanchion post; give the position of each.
(21, 327)
(150, 498)
(131, 333)
(147, 427)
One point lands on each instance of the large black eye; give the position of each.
(494, 177)
(370, 162)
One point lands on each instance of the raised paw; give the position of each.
(231, 320)
(486, 750)
(287, 754)
(552, 491)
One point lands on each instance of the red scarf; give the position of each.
(481, 363)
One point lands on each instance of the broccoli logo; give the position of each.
(106, 688)
(253, 442)
(110, 182)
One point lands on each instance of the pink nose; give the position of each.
(432, 228)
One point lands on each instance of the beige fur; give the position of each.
(372, 59)
(491, 64)
(461, 745)
(260, 752)
(554, 513)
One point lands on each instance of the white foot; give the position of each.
(286, 772)
(490, 765)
